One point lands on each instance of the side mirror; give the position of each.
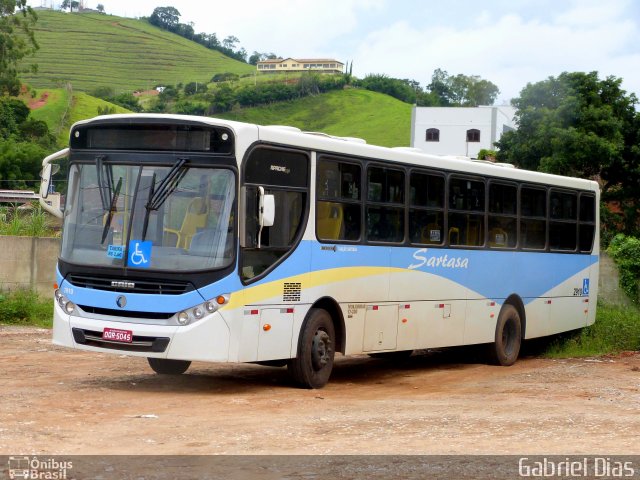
(48, 171)
(45, 180)
(267, 209)
(266, 212)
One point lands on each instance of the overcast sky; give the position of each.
(509, 42)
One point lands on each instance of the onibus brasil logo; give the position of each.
(33, 468)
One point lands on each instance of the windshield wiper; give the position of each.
(167, 186)
(112, 209)
(104, 189)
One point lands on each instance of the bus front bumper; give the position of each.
(204, 340)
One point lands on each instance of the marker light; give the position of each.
(222, 299)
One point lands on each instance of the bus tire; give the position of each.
(164, 366)
(316, 350)
(506, 348)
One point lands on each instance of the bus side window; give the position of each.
(283, 174)
(338, 206)
(426, 199)
(533, 218)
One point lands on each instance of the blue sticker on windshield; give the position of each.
(115, 251)
(139, 254)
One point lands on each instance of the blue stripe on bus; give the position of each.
(490, 274)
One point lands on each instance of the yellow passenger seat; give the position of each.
(330, 217)
(195, 218)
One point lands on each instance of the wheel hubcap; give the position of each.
(320, 350)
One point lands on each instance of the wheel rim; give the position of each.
(321, 350)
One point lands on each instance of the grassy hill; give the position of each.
(92, 50)
(379, 119)
(62, 109)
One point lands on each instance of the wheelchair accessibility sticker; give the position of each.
(585, 287)
(139, 254)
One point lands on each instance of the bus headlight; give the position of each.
(211, 306)
(199, 311)
(69, 307)
(183, 318)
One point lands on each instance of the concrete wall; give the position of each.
(28, 262)
(608, 289)
(453, 123)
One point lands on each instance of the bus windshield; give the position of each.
(176, 218)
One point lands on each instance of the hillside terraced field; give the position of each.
(92, 50)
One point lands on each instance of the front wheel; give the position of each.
(506, 347)
(165, 366)
(316, 349)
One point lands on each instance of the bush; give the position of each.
(625, 251)
(616, 329)
(35, 223)
(25, 307)
(485, 154)
(105, 93)
(192, 88)
(189, 108)
(225, 77)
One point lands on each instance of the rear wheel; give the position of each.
(316, 349)
(165, 366)
(506, 347)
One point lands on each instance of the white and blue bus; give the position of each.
(199, 239)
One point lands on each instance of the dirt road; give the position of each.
(58, 401)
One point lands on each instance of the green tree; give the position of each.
(579, 125)
(404, 90)
(13, 113)
(100, 8)
(17, 41)
(223, 99)
(460, 90)
(165, 17)
(195, 87)
(70, 4)
(23, 144)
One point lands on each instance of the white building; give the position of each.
(459, 130)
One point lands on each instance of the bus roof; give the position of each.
(292, 136)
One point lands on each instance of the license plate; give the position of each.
(116, 335)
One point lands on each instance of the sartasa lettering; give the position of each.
(436, 261)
